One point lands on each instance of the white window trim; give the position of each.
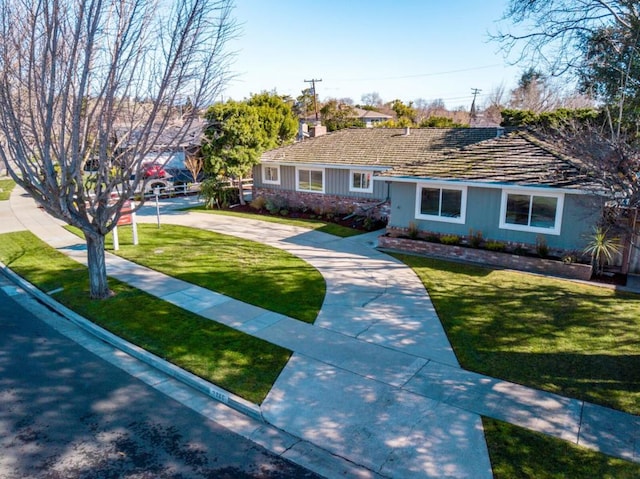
(441, 186)
(532, 229)
(264, 176)
(360, 190)
(309, 169)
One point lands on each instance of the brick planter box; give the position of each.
(488, 258)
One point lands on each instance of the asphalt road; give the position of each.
(66, 413)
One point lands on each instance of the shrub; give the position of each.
(258, 203)
(433, 238)
(475, 238)
(602, 249)
(275, 203)
(216, 192)
(541, 246)
(495, 246)
(413, 230)
(520, 250)
(450, 239)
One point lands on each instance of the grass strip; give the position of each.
(318, 225)
(519, 453)
(6, 187)
(237, 362)
(561, 336)
(245, 270)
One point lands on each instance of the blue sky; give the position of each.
(405, 49)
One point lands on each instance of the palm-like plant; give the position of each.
(602, 249)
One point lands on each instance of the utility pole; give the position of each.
(473, 113)
(313, 91)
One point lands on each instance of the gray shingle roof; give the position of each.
(517, 158)
(376, 147)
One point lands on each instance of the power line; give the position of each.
(419, 75)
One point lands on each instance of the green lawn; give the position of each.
(6, 186)
(245, 270)
(319, 225)
(577, 340)
(235, 361)
(565, 337)
(517, 453)
(573, 339)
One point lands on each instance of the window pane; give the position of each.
(430, 204)
(271, 173)
(366, 181)
(357, 180)
(543, 212)
(518, 209)
(360, 180)
(303, 180)
(315, 181)
(451, 203)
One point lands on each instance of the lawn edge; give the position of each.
(209, 389)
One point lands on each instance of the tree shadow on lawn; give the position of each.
(573, 339)
(552, 339)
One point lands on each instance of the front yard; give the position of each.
(570, 338)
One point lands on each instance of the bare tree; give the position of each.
(561, 35)
(372, 99)
(494, 104)
(553, 30)
(535, 93)
(99, 81)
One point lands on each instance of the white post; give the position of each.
(116, 244)
(157, 192)
(134, 225)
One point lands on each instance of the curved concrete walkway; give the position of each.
(374, 380)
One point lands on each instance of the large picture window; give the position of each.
(310, 180)
(441, 203)
(271, 174)
(538, 213)
(361, 181)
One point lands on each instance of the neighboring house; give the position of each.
(512, 188)
(368, 117)
(371, 117)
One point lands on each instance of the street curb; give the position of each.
(211, 390)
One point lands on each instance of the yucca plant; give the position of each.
(602, 249)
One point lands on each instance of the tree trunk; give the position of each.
(241, 190)
(98, 285)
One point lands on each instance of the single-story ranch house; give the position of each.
(509, 187)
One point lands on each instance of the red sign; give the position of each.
(126, 217)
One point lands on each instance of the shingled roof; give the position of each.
(517, 158)
(377, 147)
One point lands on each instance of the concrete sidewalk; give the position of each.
(375, 380)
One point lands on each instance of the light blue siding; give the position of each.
(580, 213)
(336, 182)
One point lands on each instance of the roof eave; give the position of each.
(577, 190)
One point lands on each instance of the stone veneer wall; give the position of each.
(485, 257)
(322, 203)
